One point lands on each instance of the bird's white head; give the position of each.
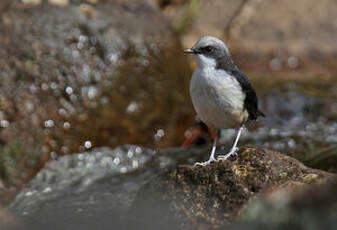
(209, 51)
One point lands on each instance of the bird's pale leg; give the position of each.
(211, 158)
(234, 148)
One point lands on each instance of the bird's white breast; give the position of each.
(217, 98)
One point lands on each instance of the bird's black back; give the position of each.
(250, 102)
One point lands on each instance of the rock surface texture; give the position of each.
(88, 71)
(313, 207)
(194, 197)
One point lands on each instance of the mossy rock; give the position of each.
(196, 197)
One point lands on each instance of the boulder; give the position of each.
(195, 197)
(7, 221)
(310, 207)
(80, 74)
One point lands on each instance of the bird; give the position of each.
(222, 96)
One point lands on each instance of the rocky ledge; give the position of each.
(213, 196)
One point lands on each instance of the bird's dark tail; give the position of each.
(255, 115)
(259, 113)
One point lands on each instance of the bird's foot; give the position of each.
(225, 157)
(211, 159)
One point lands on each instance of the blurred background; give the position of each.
(81, 74)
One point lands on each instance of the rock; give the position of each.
(313, 207)
(77, 173)
(93, 189)
(7, 221)
(194, 197)
(97, 72)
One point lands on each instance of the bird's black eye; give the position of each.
(208, 49)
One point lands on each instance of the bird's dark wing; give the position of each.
(250, 103)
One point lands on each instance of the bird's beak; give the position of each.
(190, 51)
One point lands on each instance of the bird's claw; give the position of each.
(235, 151)
(206, 162)
(225, 157)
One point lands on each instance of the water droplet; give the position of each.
(4, 123)
(113, 57)
(291, 143)
(29, 193)
(33, 89)
(159, 134)
(92, 92)
(49, 123)
(275, 64)
(46, 190)
(66, 125)
(131, 107)
(129, 154)
(53, 85)
(135, 164)
(62, 112)
(53, 143)
(44, 86)
(29, 106)
(87, 144)
(117, 161)
(80, 45)
(293, 62)
(83, 38)
(138, 150)
(69, 90)
(123, 170)
(64, 149)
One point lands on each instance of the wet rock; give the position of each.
(313, 207)
(93, 189)
(86, 74)
(77, 173)
(194, 197)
